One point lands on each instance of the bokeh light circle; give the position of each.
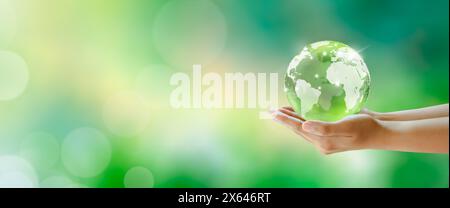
(7, 22)
(126, 113)
(15, 172)
(138, 177)
(40, 149)
(86, 152)
(190, 32)
(13, 75)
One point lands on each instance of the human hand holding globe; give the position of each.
(360, 131)
(327, 85)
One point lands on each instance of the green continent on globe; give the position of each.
(327, 81)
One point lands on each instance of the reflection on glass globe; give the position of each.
(327, 81)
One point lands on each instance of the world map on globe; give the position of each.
(327, 81)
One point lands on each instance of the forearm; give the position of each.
(427, 135)
(415, 114)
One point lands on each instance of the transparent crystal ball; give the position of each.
(327, 81)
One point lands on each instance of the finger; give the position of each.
(330, 145)
(289, 108)
(296, 127)
(326, 144)
(321, 128)
(287, 120)
(291, 113)
(305, 137)
(314, 139)
(343, 127)
(324, 128)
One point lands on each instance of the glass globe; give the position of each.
(327, 81)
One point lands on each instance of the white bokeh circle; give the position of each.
(189, 32)
(16, 172)
(13, 75)
(40, 149)
(7, 22)
(86, 152)
(126, 113)
(138, 177)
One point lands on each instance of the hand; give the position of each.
(354, 132)
(419, 130)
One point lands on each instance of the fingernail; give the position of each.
(274, 114)
(275, 118)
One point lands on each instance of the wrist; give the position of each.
(379, 137)
(391, 133)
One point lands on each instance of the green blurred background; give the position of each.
(84, 91)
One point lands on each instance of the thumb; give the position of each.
(319, 128)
